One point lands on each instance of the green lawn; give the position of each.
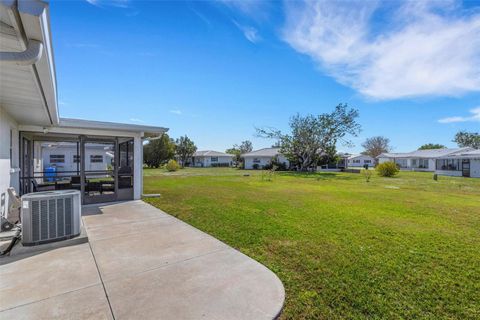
(403, 247)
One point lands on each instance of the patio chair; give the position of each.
(42, 187)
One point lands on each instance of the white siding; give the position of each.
(449, 173)
(410, 163)
(70, 151)
(361, 161)
(206, 161)
(9, 171)
(263, 161)
(475, 168)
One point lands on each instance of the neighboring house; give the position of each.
(419, 160)
(29, 119)
(210, 158)
(64, 156)
(263, 157)
(359, 161)
(464, 163)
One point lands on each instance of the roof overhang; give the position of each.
(28, 90)
(95, 128)
(145, 131)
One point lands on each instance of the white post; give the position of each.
(138, 168)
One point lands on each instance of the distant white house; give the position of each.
(464, 163)
(419, 160)
(210, 158)
(258, 159)
(64, 156)
(359, 161)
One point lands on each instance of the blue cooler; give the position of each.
(50, 174)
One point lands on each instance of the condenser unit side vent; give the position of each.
(50, 216)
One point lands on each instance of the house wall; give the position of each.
(407, 163)
(362, 161)
(69, 164)
(475, 168)
(249, 161)
(449, 173)
(9, 170)
(205, 161)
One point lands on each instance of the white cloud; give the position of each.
(474, 117)
(418, 49)
(176, 111)
(113, 3)
(249, 32)
(136, 120)
(255, 9)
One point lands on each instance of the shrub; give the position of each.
(387, 169)
(172, 165)
(255, 166)
(218, 165)
(280, 166)
(367, 174)
(268, 166)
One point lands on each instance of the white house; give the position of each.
(258, 159)
(29, 119)
(359, 161)
(64, 157)
(210, 158)
(419, 160)
(461, 163)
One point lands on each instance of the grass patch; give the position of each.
(402, 247)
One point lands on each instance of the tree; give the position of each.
(313, 135)
(467, 139)
(329, 156)
(375, 146)
(185, 148)
(158, 151)
(429, 146)
(237, 150)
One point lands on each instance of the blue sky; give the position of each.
(216, 70)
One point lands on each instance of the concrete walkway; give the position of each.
(140, 263)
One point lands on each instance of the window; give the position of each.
(96, 158)
(256, 160)
(356, 161)
(57, 158)
(448, 164)
(367, 161)
(76, 158)
(214, 159)
(423, 163)
(401, 162)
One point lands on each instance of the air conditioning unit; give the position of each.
(50, 216)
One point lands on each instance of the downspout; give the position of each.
(30, 56)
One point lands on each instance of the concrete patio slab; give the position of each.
(220, 285)
(124, 212)
(140, 263)
(119, 257)
(87, 303)
(29, 278)
(126, 229)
